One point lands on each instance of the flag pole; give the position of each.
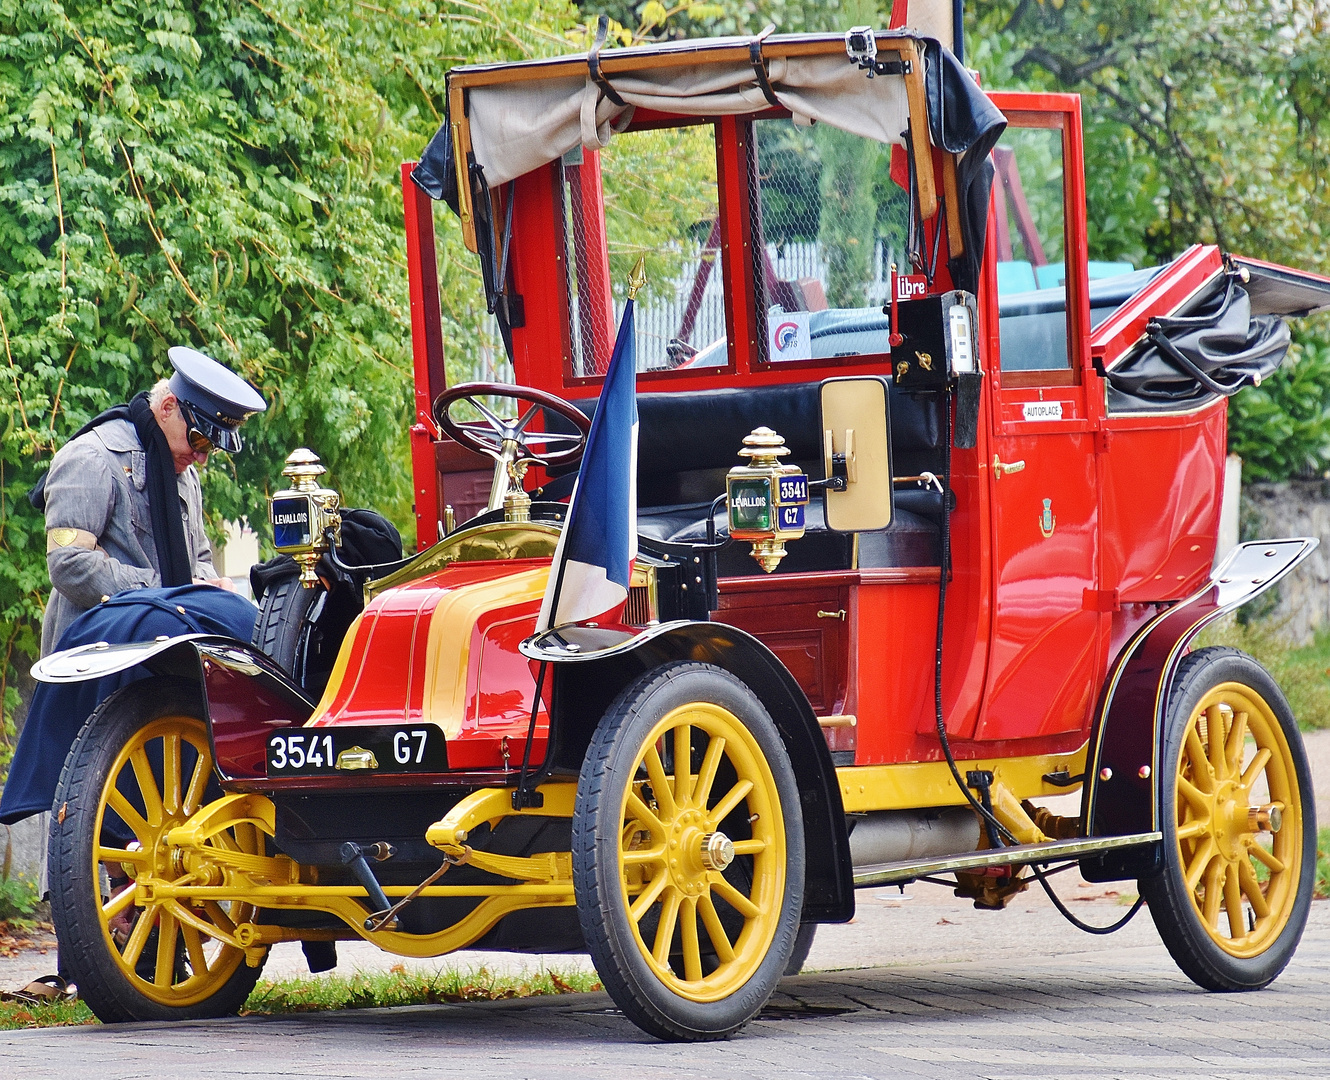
(523, 795)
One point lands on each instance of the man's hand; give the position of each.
(217, 582)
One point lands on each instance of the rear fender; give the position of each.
(584, 688)
(1123, 780)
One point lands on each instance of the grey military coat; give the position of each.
(98, 485)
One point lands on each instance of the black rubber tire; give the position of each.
(606, 771)
(84, 952)
(1180, 926)
(803, 944)
(281, 621)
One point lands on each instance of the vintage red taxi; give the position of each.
(874, 277)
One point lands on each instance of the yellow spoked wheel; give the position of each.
(675, 852)
(688, 853)
(143, 766)
(1239, 834)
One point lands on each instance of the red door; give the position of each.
(1047, 634)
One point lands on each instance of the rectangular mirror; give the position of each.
(856, 444)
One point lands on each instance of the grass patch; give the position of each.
(398, 986)
(1302, 673)
(1323, 864)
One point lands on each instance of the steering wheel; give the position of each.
(497, 437)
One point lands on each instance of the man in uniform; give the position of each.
(124, 509)
(124, 512)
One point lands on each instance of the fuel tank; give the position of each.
(884, 836)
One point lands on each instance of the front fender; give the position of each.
(1122, 773)
(584, 686)
(246, 695)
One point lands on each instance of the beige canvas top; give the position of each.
(515, 117)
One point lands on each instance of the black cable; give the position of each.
(996, 829)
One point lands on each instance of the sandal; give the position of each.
(47, 990)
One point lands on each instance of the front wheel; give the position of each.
(688, 853)
(140, 767)
(1239, 825)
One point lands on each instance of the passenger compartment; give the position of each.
(688, 441)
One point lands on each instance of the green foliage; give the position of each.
(1281, 429)
(1323, 863)
(19, 900)
(1302, 673)
(223, 174)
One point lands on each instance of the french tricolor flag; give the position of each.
(594, 558)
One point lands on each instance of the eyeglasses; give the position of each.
(198, 442)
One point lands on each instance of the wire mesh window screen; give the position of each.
(649, 193)
(831, 222)
(1030, 202)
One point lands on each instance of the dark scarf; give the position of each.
(168, 528)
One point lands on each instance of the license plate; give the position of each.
(348, 751)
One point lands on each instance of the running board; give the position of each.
(1023, 855)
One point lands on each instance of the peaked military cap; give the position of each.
(216, 400)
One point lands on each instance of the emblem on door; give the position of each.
(1047, 522)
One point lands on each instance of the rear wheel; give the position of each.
(688, 853)
(142, 766)
(1238, 822)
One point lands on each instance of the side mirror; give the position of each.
(856, 445)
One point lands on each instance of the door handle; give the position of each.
(832, 614)
(1000, 467)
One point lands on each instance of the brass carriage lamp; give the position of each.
(766, 499)
(302, 514)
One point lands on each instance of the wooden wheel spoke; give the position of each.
(152, 798)
(167, 929)
(120, 855)
(1214, 893)
(118, 903)
(644, 856)
(1215, 741)
(660, 783)
(750, 847)
(706, 773)
(733, 896)
(1272, 862)
(1237, 920)
(219, 917)
(1204, 854)
(643, 813)
(648, 896)
(1193, 829)
(198, 783)
(683, 764)
(720, 941)
(1237, 739)
(1195, 798)
(1257, 766)
(1200, 763)
(116, 800)
(198, 959)
(692, 954)
(172, 766)
(669, 916)
(1251, 888)
(138, 937)
(726, 806)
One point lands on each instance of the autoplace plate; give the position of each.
(356, 751)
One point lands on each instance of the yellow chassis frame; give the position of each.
(213, 873)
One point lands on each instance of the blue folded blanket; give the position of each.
(58, 712)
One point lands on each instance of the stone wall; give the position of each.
(1295, 508)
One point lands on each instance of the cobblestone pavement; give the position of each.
(1025, 1003)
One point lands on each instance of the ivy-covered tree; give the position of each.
(222, 174)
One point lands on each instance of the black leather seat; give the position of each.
(687, 442)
